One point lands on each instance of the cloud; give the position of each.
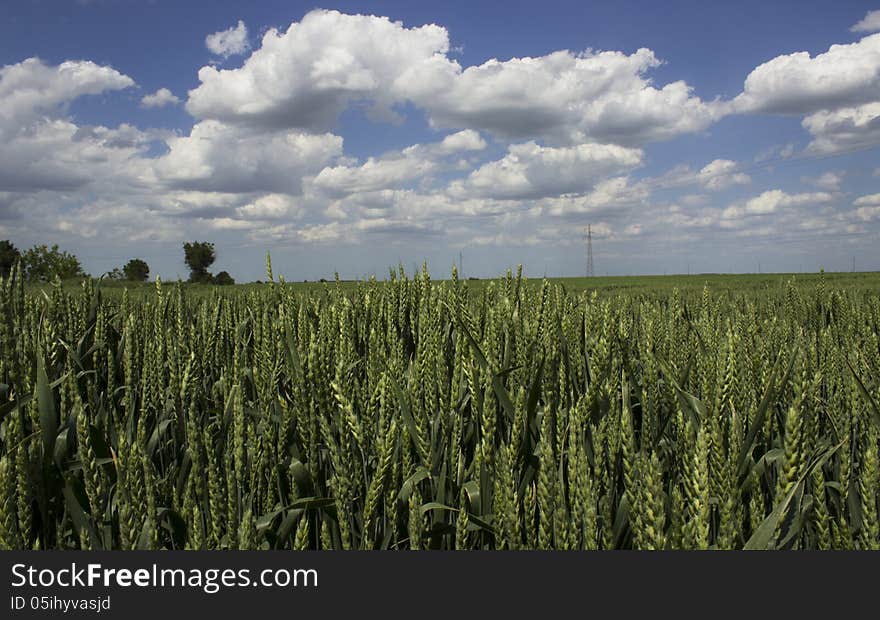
(771, 200)
(532, 171)
(31, 89)
(844, 76)
(721, 174)
(228, 223)
(219, 157)
(386, 203)
(868, 208)
(397, 227)
(159, 99)
(40, 147)
(193, 203)
(374, 174)
(777, 151)
(868, 214)
(677, 218)
(869, 23)
(844, 129)
(396, 169)
(539, 235)
(271, 207)
(226, 177)
(304, 77)
(318, 233)
(39, 159)
(872, 200)
(466, 140)
(693, 200)
(827, 180)
(230, 42)
(772, 214)
(837, 92)
(563, 97)
(774, 200)
(112, 219)
(609, 195)
(388, 230)
(717, 175)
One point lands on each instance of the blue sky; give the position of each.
(690, 135)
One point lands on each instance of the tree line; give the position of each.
(42, 263)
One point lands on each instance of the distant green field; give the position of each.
(719, 283)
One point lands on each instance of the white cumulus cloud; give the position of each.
(717, 175)
(615, 194)
(837, 92)
(845, 75)
(720, 174)
(271, 207)
(827, 180)
(870, 200)
(230, 42)
(398, 168)
(374, 174)
(304, 77)
(868, 207)
(774, 200)
(533, 171)
(869, 23)
(563, 97)
(844, 129)
(159, 99)
(219, 157)
(31, 89)
(466, 140)
(40, 147)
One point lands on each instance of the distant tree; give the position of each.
(115, 274)
(8, 255)
(223, 279)
(136, 270)
(199, 255)
(42, 264)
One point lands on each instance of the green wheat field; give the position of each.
(700, 412)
